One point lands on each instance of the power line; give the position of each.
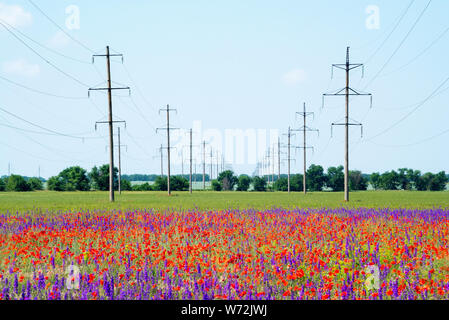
(41, 127)
(43, 58)
(60, 28)
(41, 92)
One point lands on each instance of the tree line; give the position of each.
(78, 179)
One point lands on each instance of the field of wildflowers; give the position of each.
(234, 254)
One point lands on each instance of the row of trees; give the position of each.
(16, 183)
(333, 180)
(78, 179)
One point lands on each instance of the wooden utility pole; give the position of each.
(304, 130)
(162, 161)
(279, 158)
(204, 165)
(110, 121)
(168, 129)
(119, 164)
(191, 160)
(346, 92)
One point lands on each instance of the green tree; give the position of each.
(56, 184)
(179, 183)
(243, 183)
(281, 184)
(17, 183)
(99, 178)
(142, 187)
(374, 179)
(2, 184)
(259, 184)
(336, 178)
(125, 185)
(75, 179)
(216, 186)
(161, 184)
(35, 184)
(316, 178)
(296, 183)
(357, 181)
(390, 180)
(227, 180)
(439, 182)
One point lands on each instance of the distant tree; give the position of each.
(316, 178)
(160, 184)
(390, 180)
(357, 181)
(243, 183)
(413, 178)
(296, 183)
(17, 183)
(281, 184)
(374, 179)
(142, 187)
(259, 184)
(432, 182)
(56, 184)
(336, 178)
(2, 184)
(227, 180)
(216, 186)
(76, 179)
(99, 178)
(35, 184)
(179, 183)
(125, 185)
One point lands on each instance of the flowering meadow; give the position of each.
(234, 254)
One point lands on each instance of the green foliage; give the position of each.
(227, 180)
(357, 182)
(281, 184)
(336, 178)
(35, 184)
(297, 183)
(432, 182)
(177, 183)
(374, 179)
(316, 179)
(390, 180)
(142, 187)
(125, 185)
(259, 184)
(244, 182)
(216, 185)
(2, 184)
(17, 183)
(99, 178)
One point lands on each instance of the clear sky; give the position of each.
(231, 65)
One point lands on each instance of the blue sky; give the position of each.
(232, 65)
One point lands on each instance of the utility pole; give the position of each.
(191, 160)
(279, 158)
(211, 164)
(110, 121)
(305, 129)
(289, 136)
(347, 91)
(168, 129)
(204, 165)
(120, 162)
(162, 161)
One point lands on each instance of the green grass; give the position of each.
(217, 200)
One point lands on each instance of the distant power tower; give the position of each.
(304, 130)
(119, 146)
(168, 129)
(110, 121)
(347, 91)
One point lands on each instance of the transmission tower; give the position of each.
(347, 92)
(304, 130)
(110, 121)
(168, 129)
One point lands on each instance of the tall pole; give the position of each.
(204, 165)
(279, 158)
(168, 150)
(289, 157)
(273, 164)
(348, 91)
(162, 161)
(191, 160)
(211, 164)
(111, 130)
(119, 164)
(305, 153)
(110, 121)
